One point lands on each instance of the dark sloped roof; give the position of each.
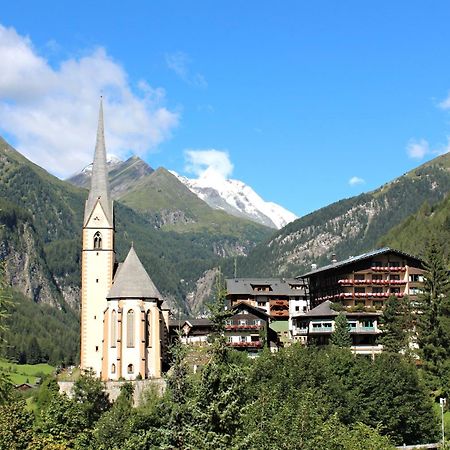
(244, 305)
(324, 309)
(279, 286)
(132, 280)
(352, 259)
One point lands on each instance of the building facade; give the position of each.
(318, 324)
(367, 280)
(124, 322)
(279, 298)
(248, 329)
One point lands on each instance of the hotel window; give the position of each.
(130, 368)
(352, 324)
(130, 328)
(229, 339)
(416, 278)
(113, 368)
(377, 264)
(377, 290)
(257, 322)
(360, 290)
(395, 290)
(394, 277)
(243, 338)
(261, 304)
(242, 322)
(228, 322)
(97, 241)
(113, 328)
(377, 277)
(359, 276)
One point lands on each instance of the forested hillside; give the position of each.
(413, 234)
(348, 227)
(40, 237)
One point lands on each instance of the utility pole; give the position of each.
(442, 403)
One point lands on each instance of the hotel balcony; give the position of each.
(351, 282)
(350, 295)
(252, 344)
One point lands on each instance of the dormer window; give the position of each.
(261, 287)
(97, 241)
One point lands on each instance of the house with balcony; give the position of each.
(191, 331)
(367, 280)
(318, 325)
(279, 298)
(248, 329)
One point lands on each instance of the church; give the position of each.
(124, 320)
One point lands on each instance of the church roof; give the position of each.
(99, 181)
(132, 280)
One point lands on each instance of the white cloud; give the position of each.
(179, 62)
(207, 164)
(445, 104)
(354, 181)
(418, 149)
(52, 112)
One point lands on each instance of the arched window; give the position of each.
(148, 333)
(113, 368)
(130, 368)
(130, 328)
(113, 328)
(97, 240)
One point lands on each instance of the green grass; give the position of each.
(23, 373)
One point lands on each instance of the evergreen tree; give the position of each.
(341, 336)
(397, 323)
(434, 305)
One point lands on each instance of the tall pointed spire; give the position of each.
(99, 181)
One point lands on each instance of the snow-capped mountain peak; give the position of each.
(111, 160)
(237, 198)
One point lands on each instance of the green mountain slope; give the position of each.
(413, 234)
(350, 226)
(170, 205)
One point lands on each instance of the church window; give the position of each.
(97, 240)
(130, 328)
(149, 329)
(130, 368)
(113, 328)
(113, 368)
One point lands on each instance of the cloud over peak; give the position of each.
(52, 112)
(210, 163)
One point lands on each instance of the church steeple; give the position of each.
(99, 181)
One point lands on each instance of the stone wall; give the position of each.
(113, 388)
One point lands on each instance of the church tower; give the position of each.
(98, 257)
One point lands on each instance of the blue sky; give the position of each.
(303, 96)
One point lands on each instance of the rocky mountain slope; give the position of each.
(123, 175)
(350, 226)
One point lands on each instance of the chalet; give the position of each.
(279, 298)
(248, 329)
(318, 324)
(191, 331)
(366, 280)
